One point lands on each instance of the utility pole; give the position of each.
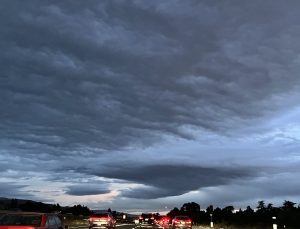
(211, 220)
(274, 222)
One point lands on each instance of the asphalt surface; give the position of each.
(125, 226)
(133, 226)
(119, 226)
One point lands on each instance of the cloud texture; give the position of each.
(134, 92)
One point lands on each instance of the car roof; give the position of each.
(181, 216)
(101, 213)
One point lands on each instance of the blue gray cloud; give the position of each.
(86, 86)
(86, 189)
(173, 180)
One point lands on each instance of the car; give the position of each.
(146, 220)
(181, 222)
(163, 221)
(136, 221)
(102, 220)
(30, 220)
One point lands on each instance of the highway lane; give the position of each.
(85, 226)
(126, 226)
(133, 226)
(119, 226)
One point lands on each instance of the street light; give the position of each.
(211, 220)
(274, 222)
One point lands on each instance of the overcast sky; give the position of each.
(146, 105)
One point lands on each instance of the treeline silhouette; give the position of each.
(286, 216)
(33, 206)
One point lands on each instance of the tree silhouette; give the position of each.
(210, 209)
(174, 212)
(77, 210)
(13, 204)
(261, 205)
(289, 214)
(288, 205)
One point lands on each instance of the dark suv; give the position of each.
(102, 220)
(146, 220)
(181, 222)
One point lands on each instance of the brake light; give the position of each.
(105, 218)
(93, 218)
(189, 221)
(166, 219)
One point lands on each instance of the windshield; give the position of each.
(146, 215)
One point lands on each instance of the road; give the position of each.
(119, 226)
(128, 226)
(125, 226)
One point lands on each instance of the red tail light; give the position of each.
(93, 218)
(186, 221)
(166, 219)
(105, 218)
(100, 218)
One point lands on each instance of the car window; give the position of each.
(17, 219)
(182, 217)
(146, 215)
(101, 215)
(57, 220)
(51, 221)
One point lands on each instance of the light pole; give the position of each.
(211, 220)
(274, 222)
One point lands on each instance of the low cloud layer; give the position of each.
(173, 180)
(86, 189)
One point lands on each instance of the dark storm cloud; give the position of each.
(86, 189)
(149, 193)
(172, 180)
(85, 84)
(11, 189)
(110, 74)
